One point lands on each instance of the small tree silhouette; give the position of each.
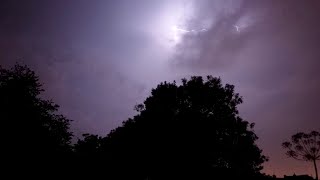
(305, 147)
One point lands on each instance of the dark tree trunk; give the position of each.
(315, 168)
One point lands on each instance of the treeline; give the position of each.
(190, 130)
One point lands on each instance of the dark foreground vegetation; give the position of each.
(187, 130)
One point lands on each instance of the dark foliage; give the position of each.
(34, 134)
(188, 131)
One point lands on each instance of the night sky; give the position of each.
(97, 59)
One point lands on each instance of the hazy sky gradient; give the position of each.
(100, 58)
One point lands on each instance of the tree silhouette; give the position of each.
(186, 131)
(31, 126)
(305, 147)
(91, 144)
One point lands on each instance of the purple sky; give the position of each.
(100, 58)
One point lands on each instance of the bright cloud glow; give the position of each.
(177, 34)
(169, 27)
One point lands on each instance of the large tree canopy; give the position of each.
(31, 126)
(183, 131)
